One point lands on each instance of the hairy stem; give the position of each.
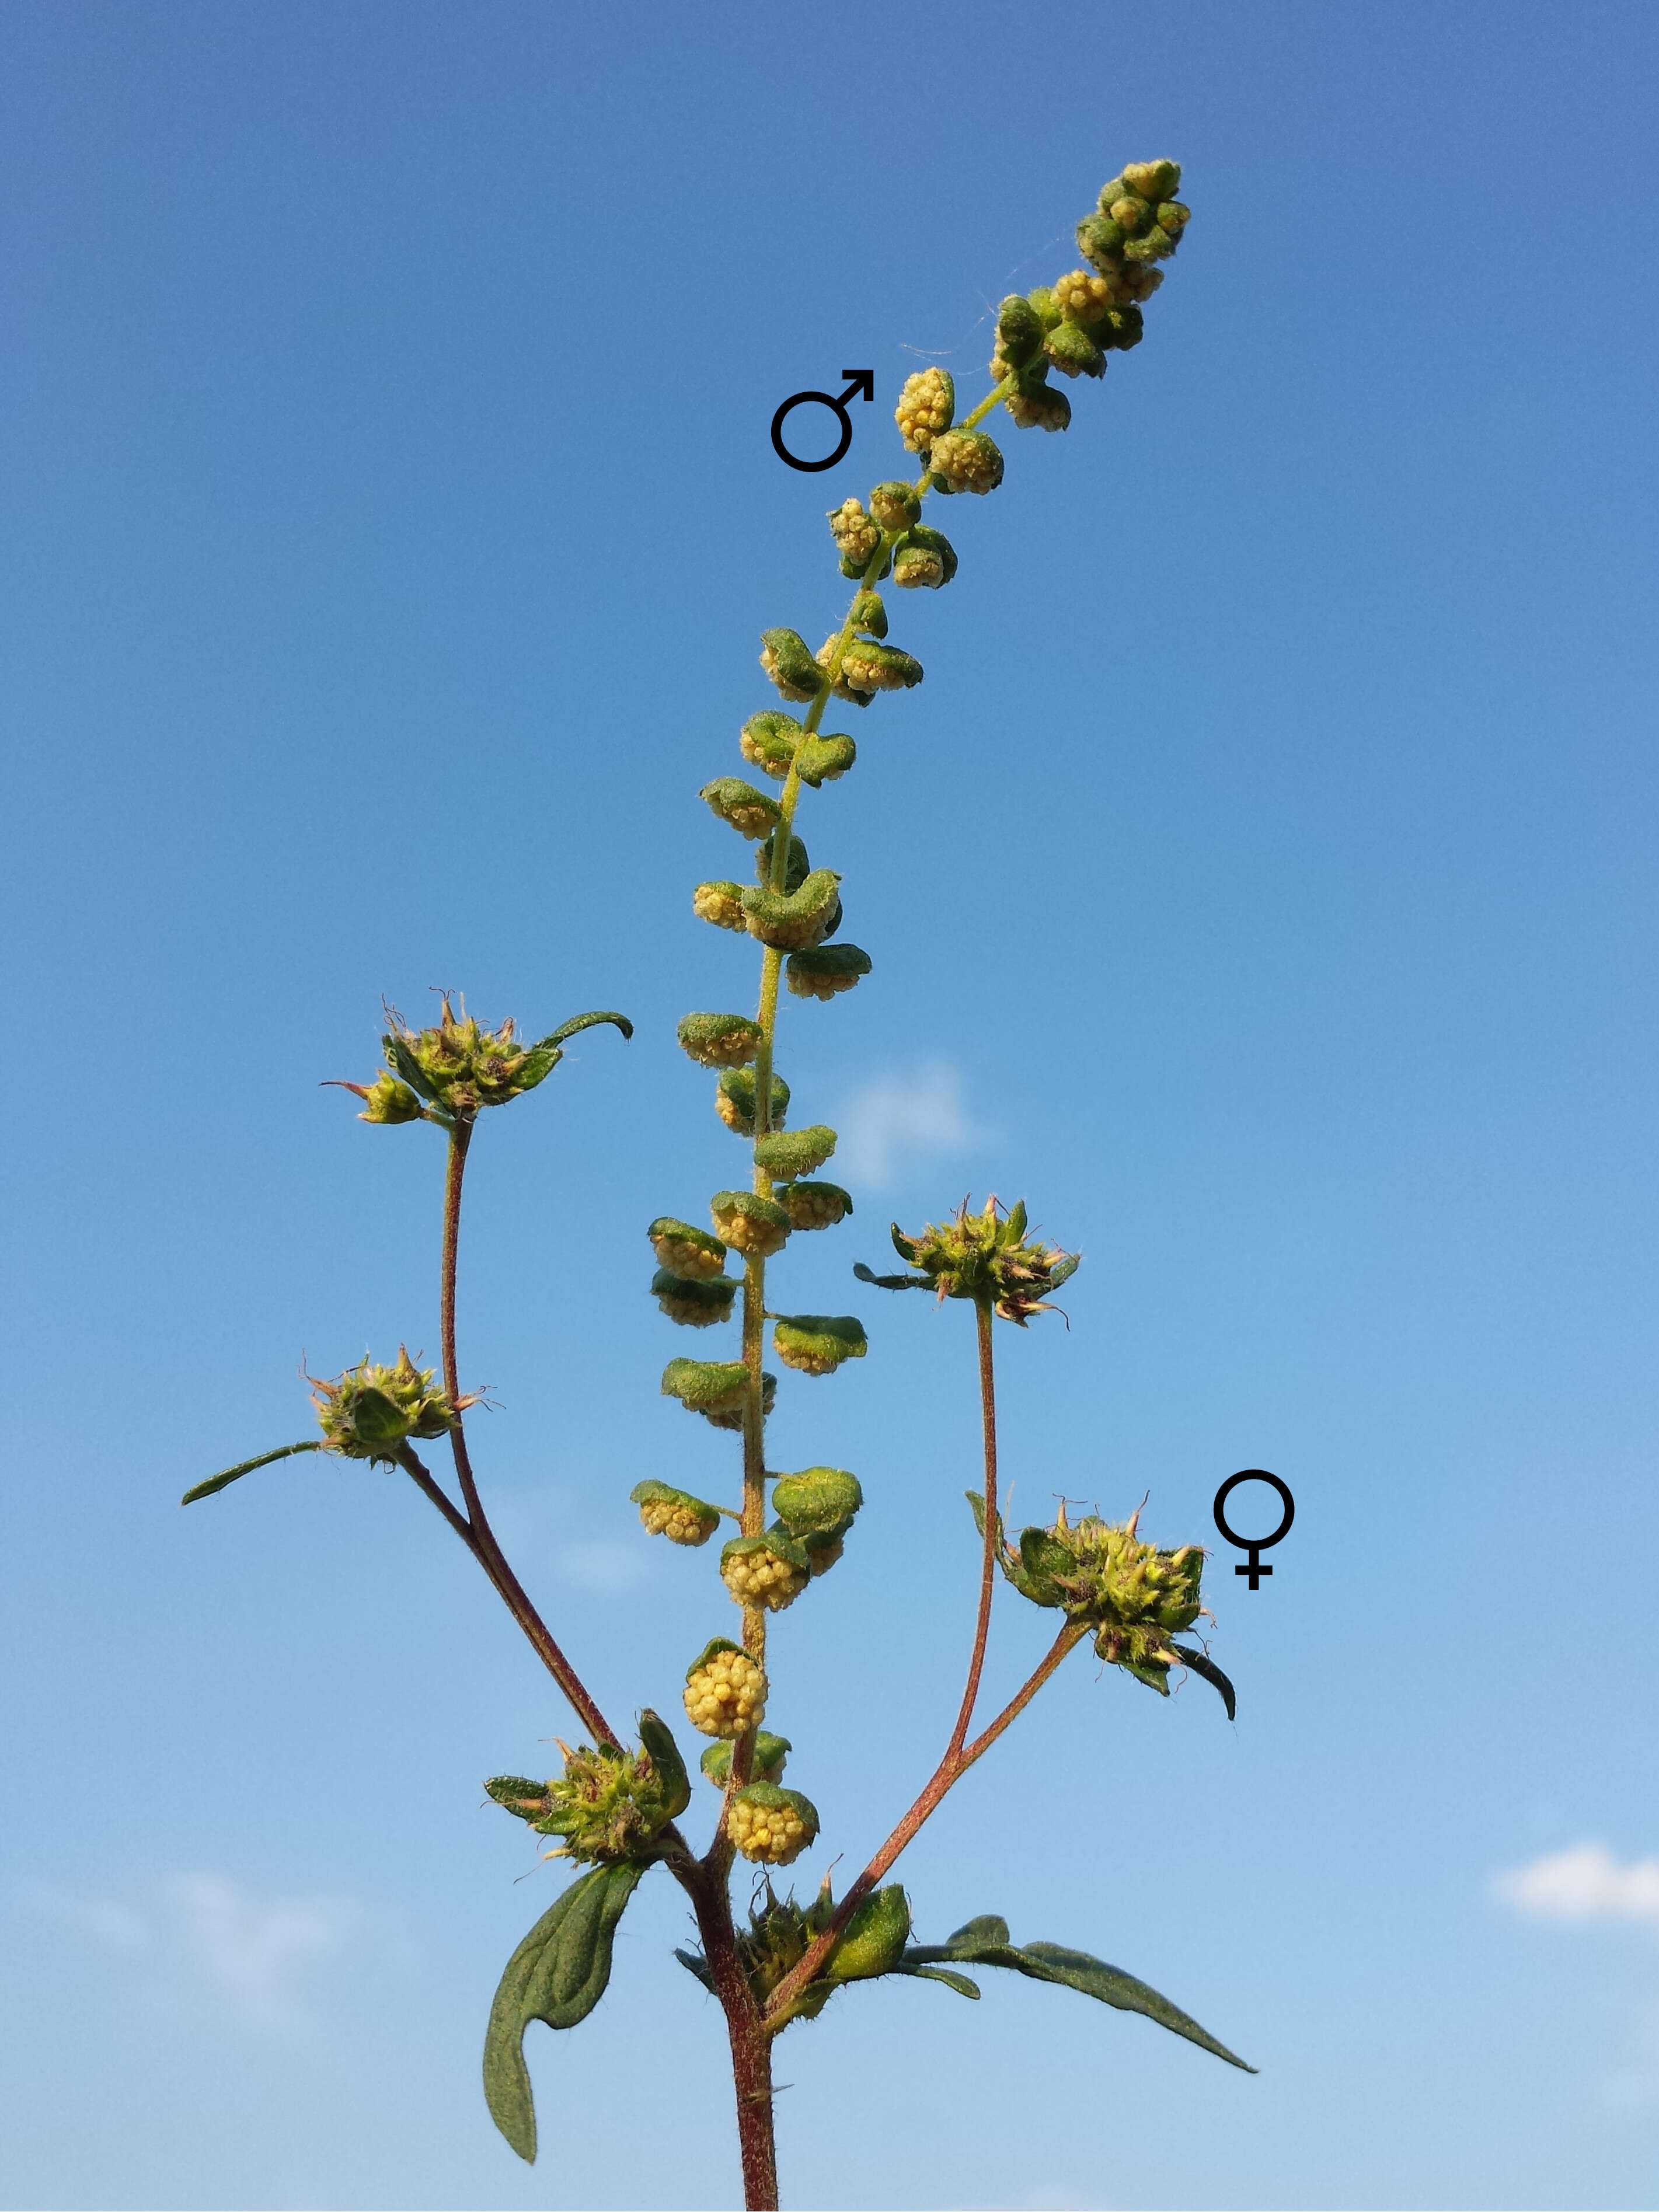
(988, 1576)
(475, 1530)
(947, 1774)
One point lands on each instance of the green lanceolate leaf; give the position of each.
(1077, 1970)
(1202, 1664)
(557, 1974)
(568, 1030)
(234, 1473)
(890, 1282)
(984, 1943)
(959, 1982)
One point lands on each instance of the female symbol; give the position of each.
(1254, 1547)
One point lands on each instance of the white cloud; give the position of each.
(918, 1112)
(250, 1952)
(249, 1948)
(1581, 1884)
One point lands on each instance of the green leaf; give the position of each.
(587, 1022)
(959, 1982)
(890, 1282)
(1077, 1970)
(235, 1474)
(989, 1928)
(557, 1974)
(1201, 1663)
(984, 1943)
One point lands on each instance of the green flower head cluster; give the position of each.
(448, 1072)
(985, 1256)
(1134, 1596)
(370, 1411)
(608, 1803)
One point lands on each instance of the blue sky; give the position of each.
(1261, 883)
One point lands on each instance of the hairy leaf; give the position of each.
(959, 1982)
(984, 1943)
(586, 1022)
(1201, 1663)
(230, 1474)
(557, 1974)
(890, 1282)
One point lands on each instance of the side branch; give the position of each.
(949, 1773)
(988, 1400)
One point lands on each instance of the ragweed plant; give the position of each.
(615, 1809)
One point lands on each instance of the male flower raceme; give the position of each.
(985, 1256)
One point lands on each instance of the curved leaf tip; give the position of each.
(224, 1479)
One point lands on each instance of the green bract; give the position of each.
(734, 1101)
(750, 1224)
(815, 1205)
(720, 1040)
(796, 865)
(771, 1752)
(786, 660)
(823, 971)
(816, 1344)
(818, 1501)
(769, 740)
(792, 1152)
(686, 1250)
(675, 1514)
(822, 759)
(750, 812)
(695, 1302)
(790, 920)
(706, 1386)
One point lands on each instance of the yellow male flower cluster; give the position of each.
(771, 1825)
(927, 406)
(725, 1691)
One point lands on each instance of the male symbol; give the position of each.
(1254, 1547)
(862, 386)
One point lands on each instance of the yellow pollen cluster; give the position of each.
(774, 1834)
(726, 1696)
(924, 408)
(747, 1236)
(662, 1517)
(718, 903)
(1042, 410)
(967, 460)
(1082, 298)
(855, 535)
(763, 1579)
